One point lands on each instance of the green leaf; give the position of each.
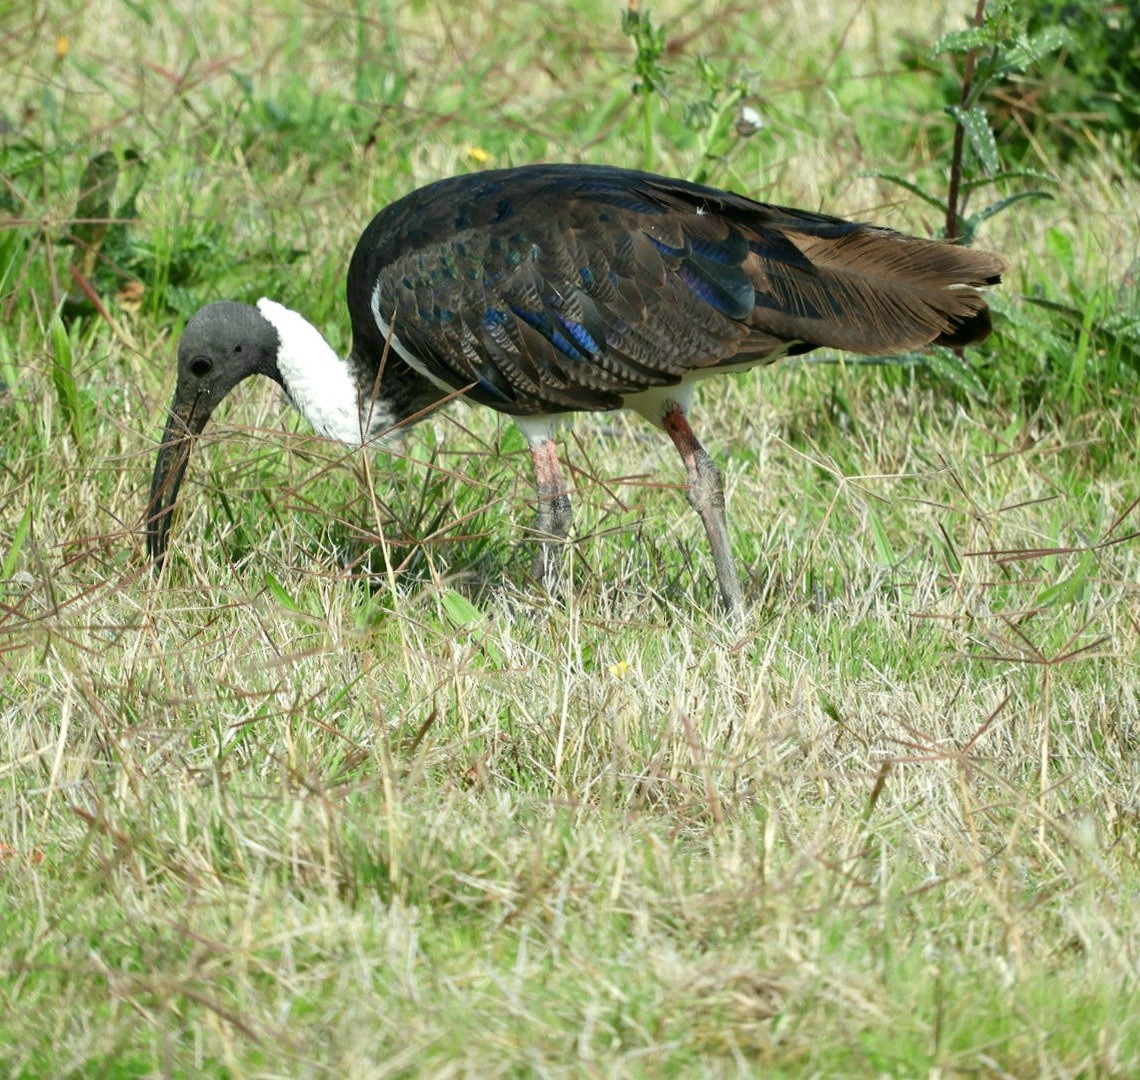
(63, 379)
(884, 549)
(961, 41)
(1006, 175)
(279, 593)
(976, 125)
(1028, 51)
(18, 538)
(465, 616)
(997, 207)
(1072, 587)
(913, 188)
(459, 609)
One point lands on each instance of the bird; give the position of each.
(550, 289)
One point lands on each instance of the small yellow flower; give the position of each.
(620, 669)
(478, 155)
(62, 45)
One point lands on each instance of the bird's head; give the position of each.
(222, 344)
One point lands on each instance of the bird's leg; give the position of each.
(552, 524)
(706, 496)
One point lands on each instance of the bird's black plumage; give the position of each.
(566, 287)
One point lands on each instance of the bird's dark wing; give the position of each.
(546, 291)
(556, 288)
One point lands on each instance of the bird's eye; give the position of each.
(200, 367)
(237, 349)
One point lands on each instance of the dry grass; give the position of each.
(279, 816)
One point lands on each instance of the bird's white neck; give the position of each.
(319, 383)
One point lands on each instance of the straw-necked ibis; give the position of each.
(554, 289)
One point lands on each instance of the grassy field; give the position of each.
(345, 794)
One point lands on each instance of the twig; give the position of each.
(960, 135)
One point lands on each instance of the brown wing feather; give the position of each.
(874, 290)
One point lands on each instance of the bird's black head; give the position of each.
(222, 344)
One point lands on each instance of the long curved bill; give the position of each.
(189, 414)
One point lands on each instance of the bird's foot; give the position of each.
(550, 564)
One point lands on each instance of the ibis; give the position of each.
(552, 289)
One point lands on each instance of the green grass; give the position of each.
(345, 794)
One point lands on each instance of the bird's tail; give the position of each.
(866, 289)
